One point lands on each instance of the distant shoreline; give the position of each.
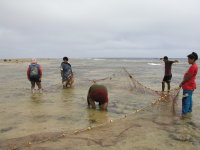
(90, 58)
(19, 60)
(25, 60)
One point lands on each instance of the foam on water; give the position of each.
(153, 64)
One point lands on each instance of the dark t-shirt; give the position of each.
(168, 68)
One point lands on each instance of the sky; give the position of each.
(99, 28)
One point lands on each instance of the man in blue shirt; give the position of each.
(66, 73)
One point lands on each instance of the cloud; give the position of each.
(99, 28)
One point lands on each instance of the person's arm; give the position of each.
(88, 97)
(175, 61)
(70, 69)
(187, 78)
(89, 100)
(61, 70)
(28, 73)
(61, 73)
(40, 70)
(92, 103)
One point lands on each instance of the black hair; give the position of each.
(166, 57)
(65, 58)
(193, 55)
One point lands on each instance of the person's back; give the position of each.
(98, 93)
(97, 87)
(168, 68)
(34, 70)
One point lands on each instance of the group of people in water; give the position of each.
(96, 92)
(99, 93)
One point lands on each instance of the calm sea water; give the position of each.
(23, 113)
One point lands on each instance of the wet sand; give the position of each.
(144, 131)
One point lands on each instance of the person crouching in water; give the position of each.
(34, 75)
(189, 84)
(168, 73)
(98, 93)
(66, 73)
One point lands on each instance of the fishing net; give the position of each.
(127, 98)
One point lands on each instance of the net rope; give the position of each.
(111, 82)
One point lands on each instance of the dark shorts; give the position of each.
(167, 78)
(35, 79)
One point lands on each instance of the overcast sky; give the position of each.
(99, 28)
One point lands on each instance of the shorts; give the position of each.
(100, 96)
(35, 79)
(167, 78)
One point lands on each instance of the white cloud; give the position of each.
(99, 28)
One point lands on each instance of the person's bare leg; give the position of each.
(71, 81)
(163, 86)
(39, 86)
(168, 85)
(32, 86)
(64, 84)
(104, 106)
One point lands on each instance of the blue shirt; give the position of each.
(66, 68)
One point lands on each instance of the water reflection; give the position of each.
(97, 116)
(36, 97)
(37, 110)
(67, 94)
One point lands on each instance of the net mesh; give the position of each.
(121, 85)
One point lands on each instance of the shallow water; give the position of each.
(56, 109)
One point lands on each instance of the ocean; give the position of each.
(39, 119)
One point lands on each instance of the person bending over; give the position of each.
(98, 93)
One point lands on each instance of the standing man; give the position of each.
(189, 84)
(98, 93)
(34, 75)
(168, 73)
(66, 73)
